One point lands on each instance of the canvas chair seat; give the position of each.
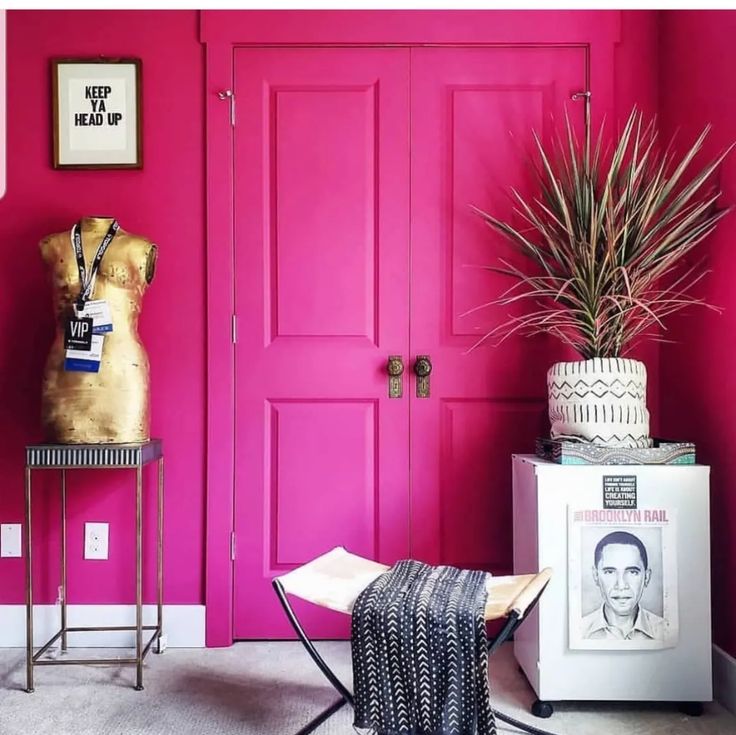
(335, 579)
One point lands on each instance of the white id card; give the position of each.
(86, 361)
(99, 312)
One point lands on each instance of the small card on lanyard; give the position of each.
(99, 311)
(78, 334)
(85, 360)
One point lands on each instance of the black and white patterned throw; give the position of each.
(420, 654)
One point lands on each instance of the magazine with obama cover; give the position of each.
(622, 579)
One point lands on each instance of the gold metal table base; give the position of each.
(71, 456)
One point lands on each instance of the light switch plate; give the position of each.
(96, 536)
(10, 539)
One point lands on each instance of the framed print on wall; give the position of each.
(97, 113)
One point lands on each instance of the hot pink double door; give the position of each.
(354, 171)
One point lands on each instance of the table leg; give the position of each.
(139, 578)
(160, 553)
(29, 588)
(63, 560)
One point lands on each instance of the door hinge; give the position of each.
(232, 546)
(229, 95)
(234, 328)
(585, 95)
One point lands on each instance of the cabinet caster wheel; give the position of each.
(691, 709)
(30, 691)
(138, 688)
(542, 709)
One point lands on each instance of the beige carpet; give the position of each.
(269, 689)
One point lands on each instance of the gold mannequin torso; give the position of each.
(111, 405)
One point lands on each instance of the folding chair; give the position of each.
(335, 579)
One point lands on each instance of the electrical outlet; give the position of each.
(96, 540)
(10, 539)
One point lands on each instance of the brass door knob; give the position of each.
(422, 366)
(422, 369)
(395, 365)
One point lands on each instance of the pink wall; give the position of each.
(164, 201)
(698, 374)
(636, 83)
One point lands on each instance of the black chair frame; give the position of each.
(513, 621)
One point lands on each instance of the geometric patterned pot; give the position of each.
(603, 400)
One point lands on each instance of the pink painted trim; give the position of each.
(380, 27)
(221, 31)
(220, 362)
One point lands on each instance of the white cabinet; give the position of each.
(561, 521)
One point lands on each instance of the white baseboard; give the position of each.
(724, 678)
(184, 625)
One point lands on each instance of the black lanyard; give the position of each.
(87, 280)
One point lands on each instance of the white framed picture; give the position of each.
(622, 583)
(97, 113)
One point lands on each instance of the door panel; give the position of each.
(322, 183)
(472, 110)
(325, 148)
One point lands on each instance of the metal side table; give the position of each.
(65, 457)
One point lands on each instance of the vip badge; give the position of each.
(78, 334)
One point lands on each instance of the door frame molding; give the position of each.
(221, 32)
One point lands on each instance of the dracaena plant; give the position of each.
(604, 239)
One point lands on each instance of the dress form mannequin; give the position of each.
(111, 405)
